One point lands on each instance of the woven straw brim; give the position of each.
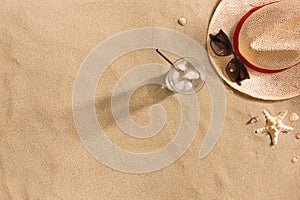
(275, 86)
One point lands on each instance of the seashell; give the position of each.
(294, 117)
(253, 120)
(294, 160)
(182, 21)
(297, 136)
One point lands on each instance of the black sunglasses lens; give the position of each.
(220, 48)
(236, 71)
(220, 44)
(244, 72)
(233, 70)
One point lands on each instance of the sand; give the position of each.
(42, 46)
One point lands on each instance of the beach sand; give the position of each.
(42, 46)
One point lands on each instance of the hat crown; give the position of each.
(270, 37)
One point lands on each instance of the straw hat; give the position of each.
(266, 37)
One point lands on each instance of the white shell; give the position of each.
(182, 21)
(294, 117)
(297, 136)
(294, 159)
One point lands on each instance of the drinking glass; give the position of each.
(186, 75)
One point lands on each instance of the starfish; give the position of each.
(274, 126)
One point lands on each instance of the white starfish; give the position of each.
(274, 126)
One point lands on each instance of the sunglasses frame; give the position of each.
(240, 72)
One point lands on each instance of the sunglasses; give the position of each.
(235, 69)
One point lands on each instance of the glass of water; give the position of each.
(186, 75)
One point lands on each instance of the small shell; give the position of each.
(297, 136)
(294, 160)
(253, 120)
(182, 21)
(294, 117)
